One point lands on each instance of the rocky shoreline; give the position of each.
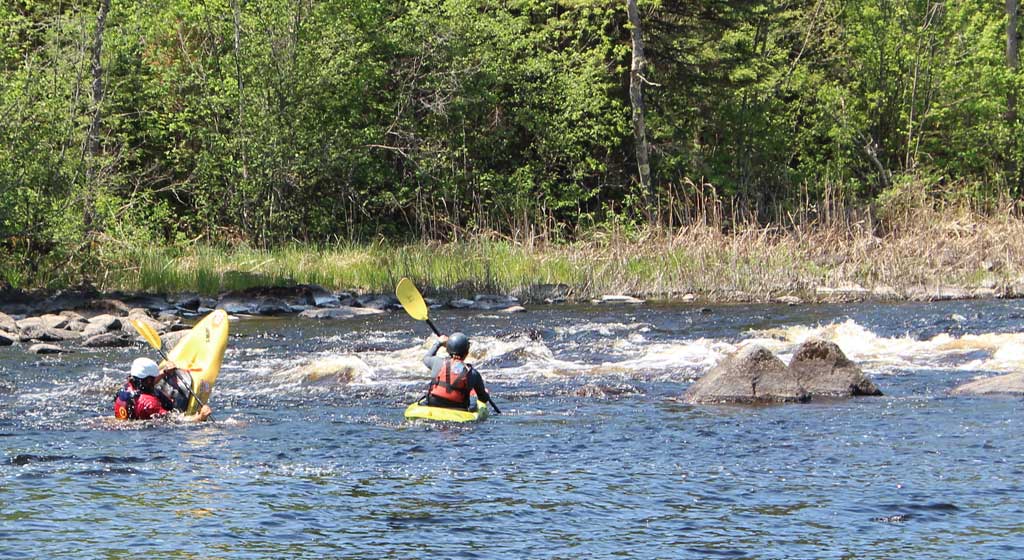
(87, 318)
(84, 319)
(66, 320)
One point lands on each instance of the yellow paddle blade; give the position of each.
(411, 300)
(147, 332)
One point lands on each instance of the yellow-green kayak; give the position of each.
(424, 412)
(200, 354)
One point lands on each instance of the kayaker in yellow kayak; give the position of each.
(138, 399)
(454, 379)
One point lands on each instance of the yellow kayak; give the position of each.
(423, 412)
(200, 354)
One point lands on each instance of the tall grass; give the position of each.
(705, 247)
(752, 262)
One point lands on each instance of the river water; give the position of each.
(308, 455)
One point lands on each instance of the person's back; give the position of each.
(453, 380)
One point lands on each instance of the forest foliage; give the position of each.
(266, 122)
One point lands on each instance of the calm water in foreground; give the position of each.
(309, 456)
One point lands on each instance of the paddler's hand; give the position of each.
(205, 412)
(444, 340)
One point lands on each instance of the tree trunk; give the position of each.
(92, 140)
(1016, 178)
(636, 98)
(236, 10)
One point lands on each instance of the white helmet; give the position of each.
(143, 368)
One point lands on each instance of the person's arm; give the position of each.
(148, 406)
(476, 383)
(204, 413)
(431, 358)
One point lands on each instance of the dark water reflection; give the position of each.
(311, 465)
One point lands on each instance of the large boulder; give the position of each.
(750, 376)
(823, 370)
(1009, 384)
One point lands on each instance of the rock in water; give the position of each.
(336, 370)
(45, 349)
(1009, 384)
(339, 312)
(823, 370)
(750, 376)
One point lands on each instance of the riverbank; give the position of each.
(950, 255)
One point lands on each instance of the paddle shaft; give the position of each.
(433, 328)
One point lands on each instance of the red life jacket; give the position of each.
(132, 404)
(124, 402)
(451, 383)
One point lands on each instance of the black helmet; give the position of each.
(458, 345)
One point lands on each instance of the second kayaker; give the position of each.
(453, 379)
(138, 399)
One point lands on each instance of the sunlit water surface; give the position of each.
(594, 456)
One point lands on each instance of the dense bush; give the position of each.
(262, 121)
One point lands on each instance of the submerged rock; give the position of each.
(339, 312)
(45, 349)
(338, 370)
(7, 339)
(824, 371)
(750, 376)
(1009, 384)
(600, 391)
